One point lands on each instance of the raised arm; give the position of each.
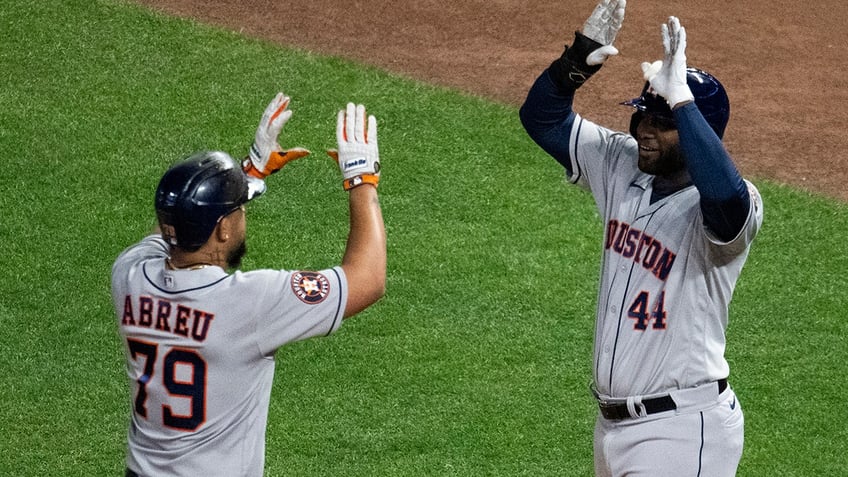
(725, 202)
(364, 261)
(547, 113)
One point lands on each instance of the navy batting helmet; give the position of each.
(710, 98)
(195, 193)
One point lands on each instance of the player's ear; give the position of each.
(228, 226)
(224, 229)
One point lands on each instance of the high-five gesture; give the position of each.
(266, 156)
(357, 156)
(591, 47)
(668, 76)
(602, 26)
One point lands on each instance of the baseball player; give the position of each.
(679, 221)
(199, 336)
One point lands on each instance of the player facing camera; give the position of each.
(679, 221)
(709, 95)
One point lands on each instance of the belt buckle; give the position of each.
(610, 410)
(606, 403)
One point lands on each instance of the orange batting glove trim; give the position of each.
(276, 161)
(357, 181)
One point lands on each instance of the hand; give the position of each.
(591, 47)
(357, 155)
(266, 157)
(668, 77)
(602, 27)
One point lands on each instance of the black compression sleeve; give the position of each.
(570, 70)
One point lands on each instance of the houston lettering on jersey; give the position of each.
(169, 317)
(640, 247)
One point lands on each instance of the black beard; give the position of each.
(671, 162)
(235, 256)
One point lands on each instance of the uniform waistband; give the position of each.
(636, 406)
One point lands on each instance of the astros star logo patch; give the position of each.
(310, 287)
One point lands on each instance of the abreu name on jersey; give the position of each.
(169, 317)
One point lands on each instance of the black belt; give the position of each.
(131, 474)
(617, 412)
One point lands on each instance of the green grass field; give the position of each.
(477, 360)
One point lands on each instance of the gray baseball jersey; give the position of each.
(665, 283)
(200, 350)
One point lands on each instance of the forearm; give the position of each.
(364, 261)
(547, 116)
(724, 197)
(547, 113)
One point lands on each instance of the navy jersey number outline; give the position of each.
(193, 389)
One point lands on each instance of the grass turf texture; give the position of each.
(477, 360)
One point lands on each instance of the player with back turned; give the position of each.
(679, 221)
(200, 336)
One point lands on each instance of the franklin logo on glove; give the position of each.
(353, 164)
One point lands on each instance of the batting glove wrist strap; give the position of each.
(276, 160)
(248, 167)
(570, 70)
(357, 181)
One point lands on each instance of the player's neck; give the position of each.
(202, 258)
(666, 185)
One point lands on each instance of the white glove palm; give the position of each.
(266, 156)
(358, 156)
(602, 26)
(668, 77)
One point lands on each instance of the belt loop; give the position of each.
(635, 407)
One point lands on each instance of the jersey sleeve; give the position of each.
(295, 305)
(749, 230)
(600, 156)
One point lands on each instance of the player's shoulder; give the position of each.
(150, 247)
(271, 289)
(749, 229)
(286, 277)
(599, 151)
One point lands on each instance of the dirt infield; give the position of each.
(782, 62)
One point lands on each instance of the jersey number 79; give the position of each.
(193, 389)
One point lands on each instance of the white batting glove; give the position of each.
(266, 156)
(357, 155)
(602, 26)
(668, 77)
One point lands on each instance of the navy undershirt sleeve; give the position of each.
(547, 116)
(725, 202)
